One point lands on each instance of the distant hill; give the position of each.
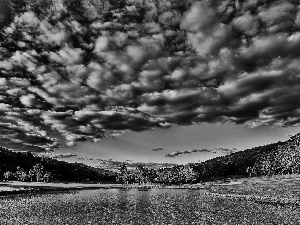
(62, 171)
(276, 158)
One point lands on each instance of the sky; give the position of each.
(155, 145)
(147, 80)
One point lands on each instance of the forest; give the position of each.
(272, 159)
(24, 165)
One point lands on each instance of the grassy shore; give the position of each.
(275, 190)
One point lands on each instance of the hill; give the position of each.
(276, 158)
(63, 171)
(271, 159)
(282, 157)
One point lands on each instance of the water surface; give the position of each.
(157, 206)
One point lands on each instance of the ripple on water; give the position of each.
(157, 206)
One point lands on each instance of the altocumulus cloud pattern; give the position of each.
(81, 70)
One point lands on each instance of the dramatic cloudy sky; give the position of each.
(184, 80)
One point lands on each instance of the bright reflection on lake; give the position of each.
(156, 206)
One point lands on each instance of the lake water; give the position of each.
(157, 206)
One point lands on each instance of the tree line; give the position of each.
(37, 173)
(175, 175)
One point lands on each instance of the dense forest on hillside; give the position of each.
(271, 159)
(61, 171)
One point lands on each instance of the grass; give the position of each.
(277, 190)
(282, 186)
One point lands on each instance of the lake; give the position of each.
(132, 206)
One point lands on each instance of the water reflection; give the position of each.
(122, 200)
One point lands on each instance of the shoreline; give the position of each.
(18, 187)
(13, 188)
(251, 189)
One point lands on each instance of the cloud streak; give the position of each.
(157, 149)
(115, 165)
(178, 153)
(226, 151)
(56, 155)
(103, 69)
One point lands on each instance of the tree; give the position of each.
(250, 171)
(47, 176)
(38, 171)
(122, 176)
(7, 175)
(187, 174)
(142, 174)
(20, 174)
(164, 176)
(30, 174)
(152, 175)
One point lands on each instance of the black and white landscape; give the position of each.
(149, 111)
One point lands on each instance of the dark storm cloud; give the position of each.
(4, 13)
(103, 69)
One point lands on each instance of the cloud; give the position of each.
(290, 134)
(178, 153)
(54, 155)
(107, 69)
(113, 165)
(247, 24)
(199, 17)
(157, 149)
(226, 151)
